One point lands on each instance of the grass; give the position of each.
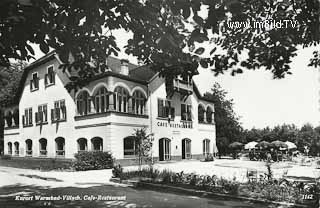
(37, 163)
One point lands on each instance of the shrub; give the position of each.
(93, 161)
(117, 171)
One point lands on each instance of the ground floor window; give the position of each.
(186, 148)
(43, 147)
(29, 147)
(9, 148)
(164, 149)
(129, 146)
(206, 147)
(16, 148)
(82, 145)
(60, 146)
(97, 144)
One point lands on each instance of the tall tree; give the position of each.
(228, 128)
(162, 31)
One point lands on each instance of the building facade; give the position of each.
(50, 122)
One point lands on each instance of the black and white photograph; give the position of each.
(160, 103)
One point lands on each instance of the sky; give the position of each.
(259, 100)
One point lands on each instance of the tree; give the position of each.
(228, 128)
(10, 81)
(143, 142)
(162, 31)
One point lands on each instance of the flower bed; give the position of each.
(266, 189)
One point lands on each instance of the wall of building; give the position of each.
(112, 127)
(164, 129)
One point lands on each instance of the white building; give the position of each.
(103, 115)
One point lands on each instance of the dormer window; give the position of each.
(49, 78)
(34, 82)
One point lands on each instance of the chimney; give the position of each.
(124, 68)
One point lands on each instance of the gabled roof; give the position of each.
(38, 62)
(139, 74)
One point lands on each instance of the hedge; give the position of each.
(93, 161)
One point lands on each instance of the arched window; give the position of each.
(122, 99)
(82, 144)
(43, 147)
(97, 144)
(186, 148)
(16, 148)
(60, 146)
(138, 102)
(206, 147)
(83, 103)
(201, 112)
(29, 147)
(209, 114)
(9, 148)
(129, 146)
(101, 100)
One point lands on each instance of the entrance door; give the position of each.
(164, 149)
(186, 148)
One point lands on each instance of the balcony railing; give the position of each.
(10, 152)
(183, 86)
(16, 152)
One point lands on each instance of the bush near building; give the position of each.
(93, 161)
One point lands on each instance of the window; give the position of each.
(42, 114)
(206, 147)
(82, 144)
(165, 110)
(138, 103)
(59, 112)
(83, 103)
(209, 114)
(34, 82)
(8, 118)
(122, 96)
(9, 148)
(16, 117)
(16, 148)
(60, 146)
(186, 112)
(49, 78)
(129, 146)
(29, 147)
(186, 148)
(27, 117)
(201, 112)
(43, 147)
(101, 102)
(96, 143)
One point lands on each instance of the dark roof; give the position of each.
(144, 73)
(139, 74)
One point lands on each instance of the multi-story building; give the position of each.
(48, 121)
